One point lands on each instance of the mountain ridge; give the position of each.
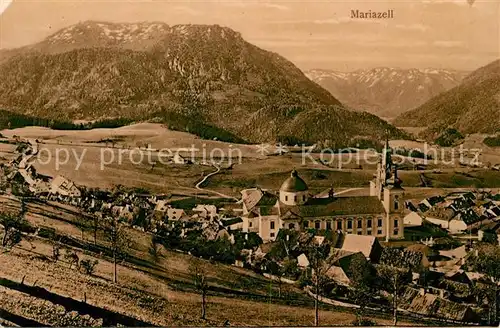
(471, 107)
(184, 74)
(386, 91)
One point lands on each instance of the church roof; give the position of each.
(294, 183)
(321, 207)
(257, 197)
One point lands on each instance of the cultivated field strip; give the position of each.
(69, 304)
(30, 311)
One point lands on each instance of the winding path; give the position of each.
(198, 185)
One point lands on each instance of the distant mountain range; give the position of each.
(203, 79)
(471, 107)
(386, 92)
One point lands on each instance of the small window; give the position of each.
(369, 223)
(339, 225)
(379, 231)
(295, 198)
(396, 223)
(272, 235)
(303, 198)
(359, 232)
(272, 225)
(379, 223)
(328, 225)
(395, 232)
(360, 224)
(250, 224)
(317, 224)
(306, 224)
(291, 226)
(368, 232)
(349, 224)
(286, 198)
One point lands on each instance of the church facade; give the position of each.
(293, 207)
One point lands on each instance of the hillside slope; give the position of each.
(192, 77)
(383, 91)
(471, 107)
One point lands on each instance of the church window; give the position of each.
(360, 223)
(328, 225)
(295, 198)
(395, 232)
(349, 224)
(369, 223)
(339, 225)
(303, 198)
(379, 231)
(272, 225)
(272, 234)
(379, 223)
(359, 232)
(396, 222)
(317, 224)
(369, 232)
(286, 198)
(250, 224)
(396, 203)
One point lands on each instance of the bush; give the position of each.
(305, 278)
(492, 141)
(88, 266)
(449, 137)
(363, 322)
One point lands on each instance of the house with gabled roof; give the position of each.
(341, 271)
(64, 187)
(369, 246)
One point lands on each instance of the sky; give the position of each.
(448, 34)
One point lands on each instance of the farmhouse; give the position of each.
(369, 246)
(379, 215)
(413, 219)
(341, 271)
(64, 187)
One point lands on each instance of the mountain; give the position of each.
(471, 107)
(386, 92)
(204, 79)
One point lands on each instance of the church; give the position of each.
(380, 214)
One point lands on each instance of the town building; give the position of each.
(293, 207)
(64, 187)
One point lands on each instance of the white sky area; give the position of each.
(312, 34)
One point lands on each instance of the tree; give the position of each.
(362, 283)
(320, 264)
(154, 249)
(82, 223)
(12, 224)
(115, 234)
(198, 271)
(393, 280)
(486, 260)
(94, 226)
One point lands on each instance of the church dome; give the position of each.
(294, 183)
